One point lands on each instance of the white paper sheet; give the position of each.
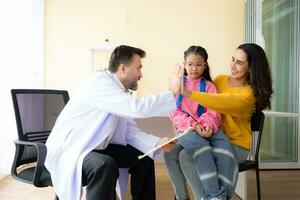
(163, 144)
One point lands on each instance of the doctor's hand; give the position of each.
(185, 92)
(168, 147)
(174, 128)
(175, 80)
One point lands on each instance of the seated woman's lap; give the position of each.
(221, 141)
(240, 153)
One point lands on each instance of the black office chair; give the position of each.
(257, 124)
(36, 112)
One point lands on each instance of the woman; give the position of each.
(248, 87)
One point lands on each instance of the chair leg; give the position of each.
(257, 182)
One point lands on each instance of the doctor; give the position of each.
(95, 133)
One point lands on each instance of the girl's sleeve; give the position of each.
(182, 120)
(210, 118)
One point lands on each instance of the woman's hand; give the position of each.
(184, 91)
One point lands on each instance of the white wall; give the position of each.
(163, 28)
(21, 64)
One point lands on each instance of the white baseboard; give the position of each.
(241, 186)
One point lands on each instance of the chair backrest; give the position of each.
(36, 111)
(257, 125)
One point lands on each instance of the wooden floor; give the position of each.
(275, 185)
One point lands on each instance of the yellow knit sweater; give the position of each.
(236, 105)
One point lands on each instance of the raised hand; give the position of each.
(176, 79)
(183, 90)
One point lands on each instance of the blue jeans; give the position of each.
(188, 168)
(209, 164)
(174, 164)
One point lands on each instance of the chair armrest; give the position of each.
(41, 156)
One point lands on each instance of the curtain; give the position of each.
(21, 64)
(280, 20)
(275, 25)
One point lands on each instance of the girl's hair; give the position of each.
(259, 75)
(198, 50)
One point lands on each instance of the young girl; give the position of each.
(205, 123)
(248, 87)
(189, 113)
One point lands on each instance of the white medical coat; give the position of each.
(102, 112)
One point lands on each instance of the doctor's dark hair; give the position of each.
(259, 77)
(123, 55)
(198, 50)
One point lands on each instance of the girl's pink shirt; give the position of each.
(186, 115)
